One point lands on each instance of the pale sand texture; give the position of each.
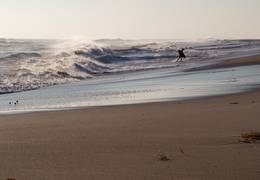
(123, 142)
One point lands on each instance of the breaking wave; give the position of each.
(32, 64)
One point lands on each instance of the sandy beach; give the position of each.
(199, 137)
(129, 90)
(243, 61)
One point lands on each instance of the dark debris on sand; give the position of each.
(249, 137)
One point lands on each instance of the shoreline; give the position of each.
(200, 138)
(135, 105)
(244, 61)
(229, 63)
(188, 100)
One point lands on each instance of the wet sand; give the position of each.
(244, 61)
(200, 137)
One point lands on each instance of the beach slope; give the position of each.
(229, 63)
(199, 137)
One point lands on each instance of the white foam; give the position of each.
(31, 64)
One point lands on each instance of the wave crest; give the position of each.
(32, 64)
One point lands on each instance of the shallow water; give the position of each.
(32, 64)
(137, 87)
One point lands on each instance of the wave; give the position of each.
(21, 55)
(92, 68)
(30, 64)
(132, 53)
(228, 44)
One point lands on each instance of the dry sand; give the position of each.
(200, 137)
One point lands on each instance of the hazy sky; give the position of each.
(184, 19)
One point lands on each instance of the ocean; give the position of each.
(61, 74)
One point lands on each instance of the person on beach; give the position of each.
(181, 55)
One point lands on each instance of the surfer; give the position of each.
(181, 55)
